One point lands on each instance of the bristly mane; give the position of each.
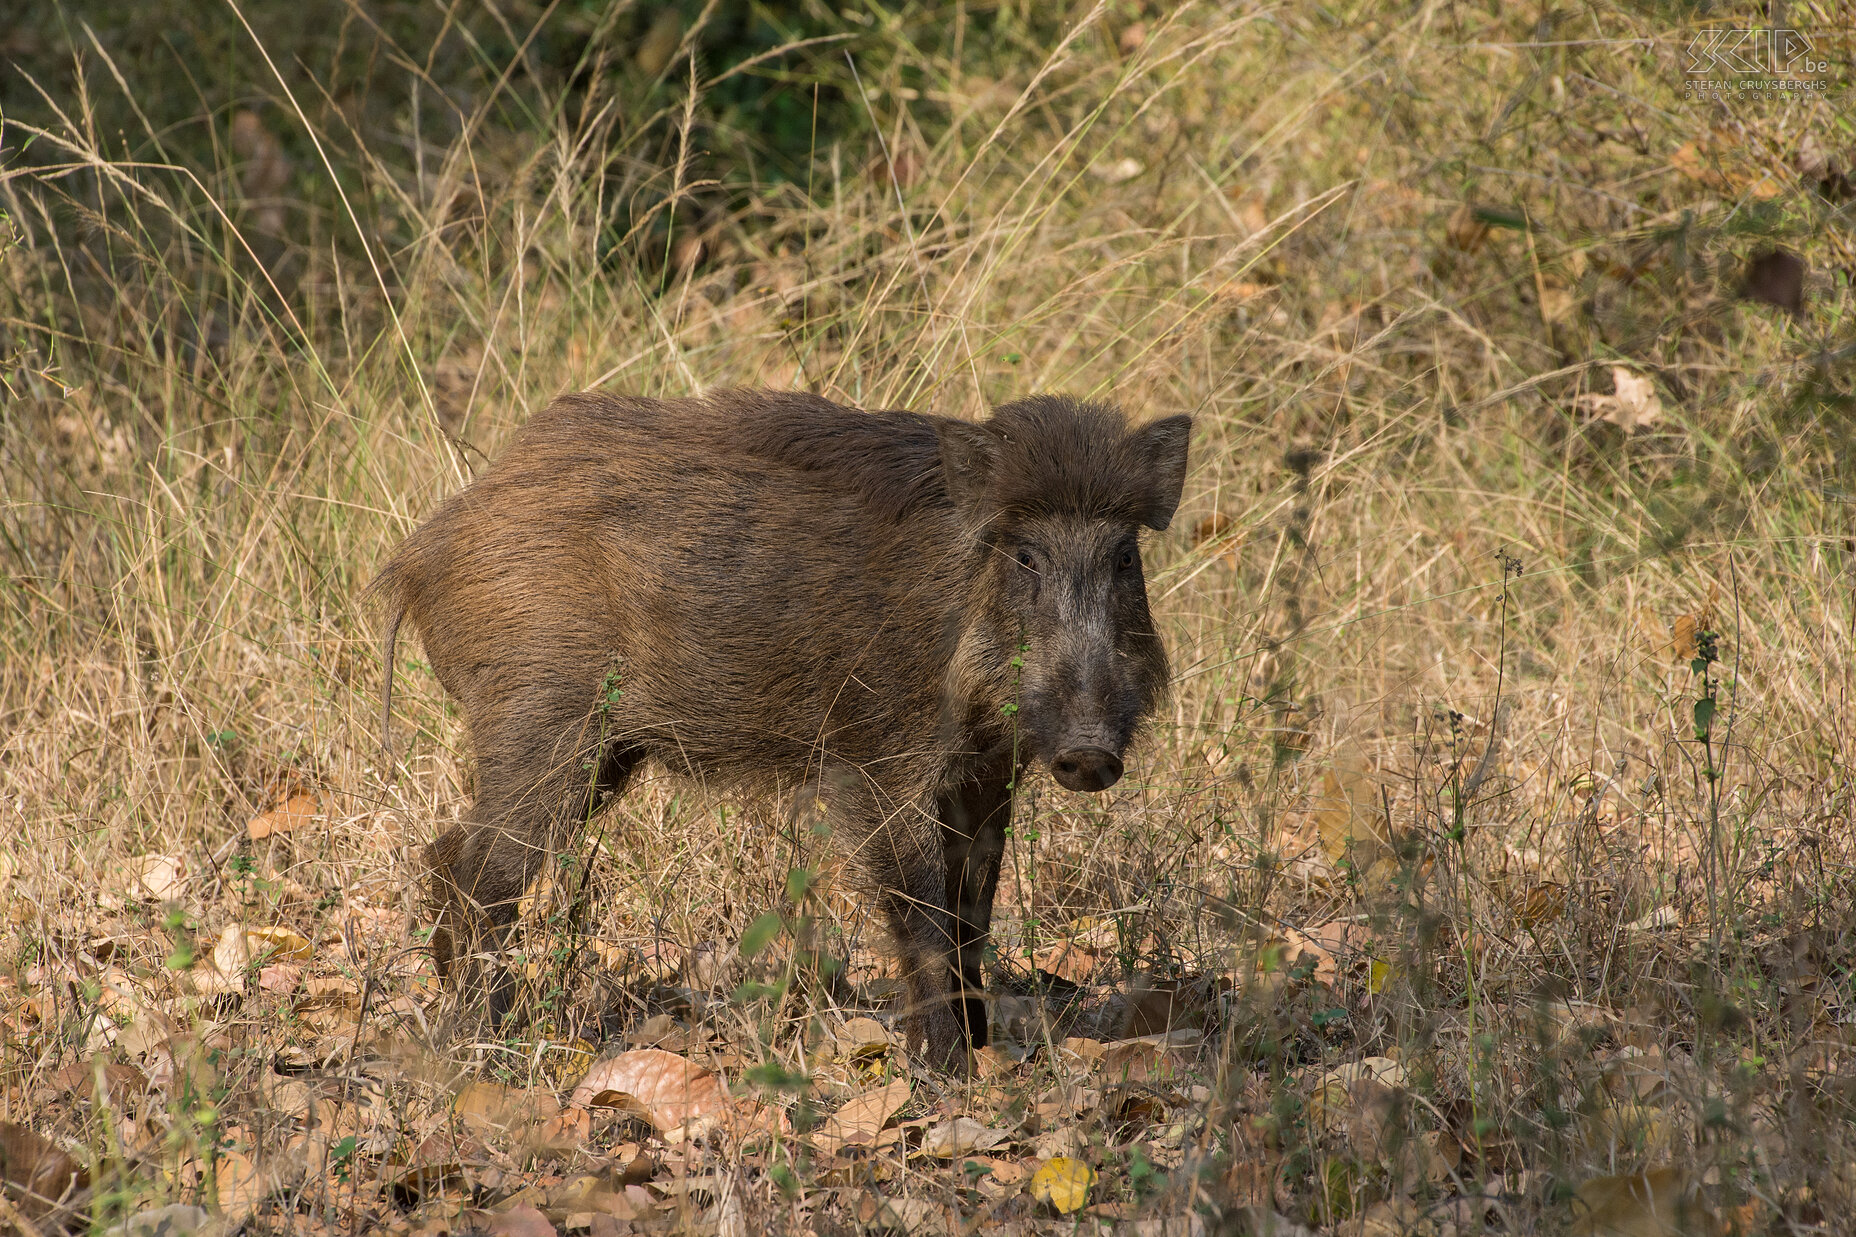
(1062, 456)
(892, 458)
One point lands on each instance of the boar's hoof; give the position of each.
(1086, 768)
(942, 1041)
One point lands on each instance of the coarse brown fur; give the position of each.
(769, 591)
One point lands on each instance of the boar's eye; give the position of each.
(1126, 560)
(1027, 560)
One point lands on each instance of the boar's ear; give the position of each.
(967, 455)
(1160, 447)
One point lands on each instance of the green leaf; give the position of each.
(760, 934)
(799, 883)
(1496, 217)
(1704, 716)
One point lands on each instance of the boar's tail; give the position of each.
(386, 694)
(386, 585)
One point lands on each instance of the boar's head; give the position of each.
(1056, 492)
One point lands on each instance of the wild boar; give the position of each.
(768, 591)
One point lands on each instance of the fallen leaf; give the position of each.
(159, 876)
(861, 1038)
(337, 988)
(1349, 814)
(906, 1215)
(287, 817)
(488, 1108)
(665, 1089)
(1557, 303)
(675, 1095)
(960, 1136)
(241, 1185)
(1657, 1203)
(1350, 1089)
(522, 1220)
(1063, 1183)
(437, 1163)
(861, 1118)
(1632, 405)
(1467, 229)
(173, 1220)
(1067, 961)
(1119, 172)
(281, 978)
(1661, 917)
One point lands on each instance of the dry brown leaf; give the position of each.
(241, 1185)
(1067, 961)
(522, 1220)
(860, 1121)
(1557, 303)
(1466, 230)
(960, 1136)
(679, 1098)
(439, 1162)
(1658, 1203)
(158, 876)
(1632, 405)
(917, 1217)
(1349, 815)
(486, 1107)
(287, 817)
(1150, 1058)
(1352, 1089)
(280, 977)
(1217, 524)
(861, 1038)
(337, 988)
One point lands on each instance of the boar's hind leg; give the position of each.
(521, 818)
(973, 821)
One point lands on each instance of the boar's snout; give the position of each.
(1086, 768)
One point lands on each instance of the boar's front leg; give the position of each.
(973, 821)
(899, 849)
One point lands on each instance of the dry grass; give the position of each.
(1430, 789)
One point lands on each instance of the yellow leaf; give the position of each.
(1063, 1183)
(1378, 976)
(276, 944)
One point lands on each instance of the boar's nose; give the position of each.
(1086, 768)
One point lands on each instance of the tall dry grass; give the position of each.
(1431, 786)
